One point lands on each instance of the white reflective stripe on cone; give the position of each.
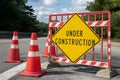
(14, 46)
(33, 54)
(15, 38)
(48, 49)
(33, 42)
(46, 44)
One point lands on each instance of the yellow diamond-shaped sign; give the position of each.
(75, 38)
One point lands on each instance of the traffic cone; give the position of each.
(33, 66)
(53, 50)
(14, 54)
(47, 48)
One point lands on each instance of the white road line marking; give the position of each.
(15, 70)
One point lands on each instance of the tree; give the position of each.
(115, 24)
(43, 27)
(98, 5)
(16, 15)
(114, 7)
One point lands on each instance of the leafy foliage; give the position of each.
(114, 7)
(16, 15)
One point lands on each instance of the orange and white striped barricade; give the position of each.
(100, 22)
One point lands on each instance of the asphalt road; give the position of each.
(66, 72)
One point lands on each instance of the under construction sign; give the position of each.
(75, 38)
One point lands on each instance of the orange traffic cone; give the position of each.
(49, 50)
(53, 50)
(33, 66)
(14, 55)
(46, 50)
